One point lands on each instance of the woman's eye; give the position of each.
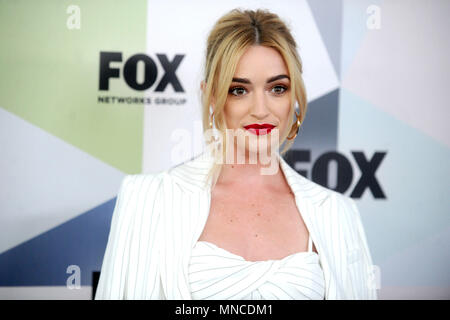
(237, 91)
(279, 89)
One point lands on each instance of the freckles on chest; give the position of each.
(256, 213)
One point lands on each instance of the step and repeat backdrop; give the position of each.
(91, 91)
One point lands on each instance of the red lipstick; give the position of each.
(259, 129)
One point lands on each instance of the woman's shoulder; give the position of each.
(137, 181)
(340, 204)
(314, 192)
(190, 174)
(134, 185)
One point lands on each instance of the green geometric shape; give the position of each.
(50, 74)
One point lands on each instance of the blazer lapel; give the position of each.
(186, 209)
(317, 208)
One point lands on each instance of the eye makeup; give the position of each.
(234, 89)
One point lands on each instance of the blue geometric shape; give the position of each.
(413, 176)
(328, 17)
(43, 260)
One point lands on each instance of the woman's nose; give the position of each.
(259, 106)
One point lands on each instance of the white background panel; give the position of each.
(44, 181)
(403, 68)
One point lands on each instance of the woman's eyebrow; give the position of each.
(272, 79)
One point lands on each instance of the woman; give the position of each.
(218, 228)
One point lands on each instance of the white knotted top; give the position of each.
(215, 273)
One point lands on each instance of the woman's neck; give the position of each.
(258, 172)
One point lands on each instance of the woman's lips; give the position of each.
(259, 129)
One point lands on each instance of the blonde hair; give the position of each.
(232, 34)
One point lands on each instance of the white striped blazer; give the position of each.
(159, 217)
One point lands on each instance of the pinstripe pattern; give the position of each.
(158, 219)
(296, 276)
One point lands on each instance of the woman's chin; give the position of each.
(253, 151)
